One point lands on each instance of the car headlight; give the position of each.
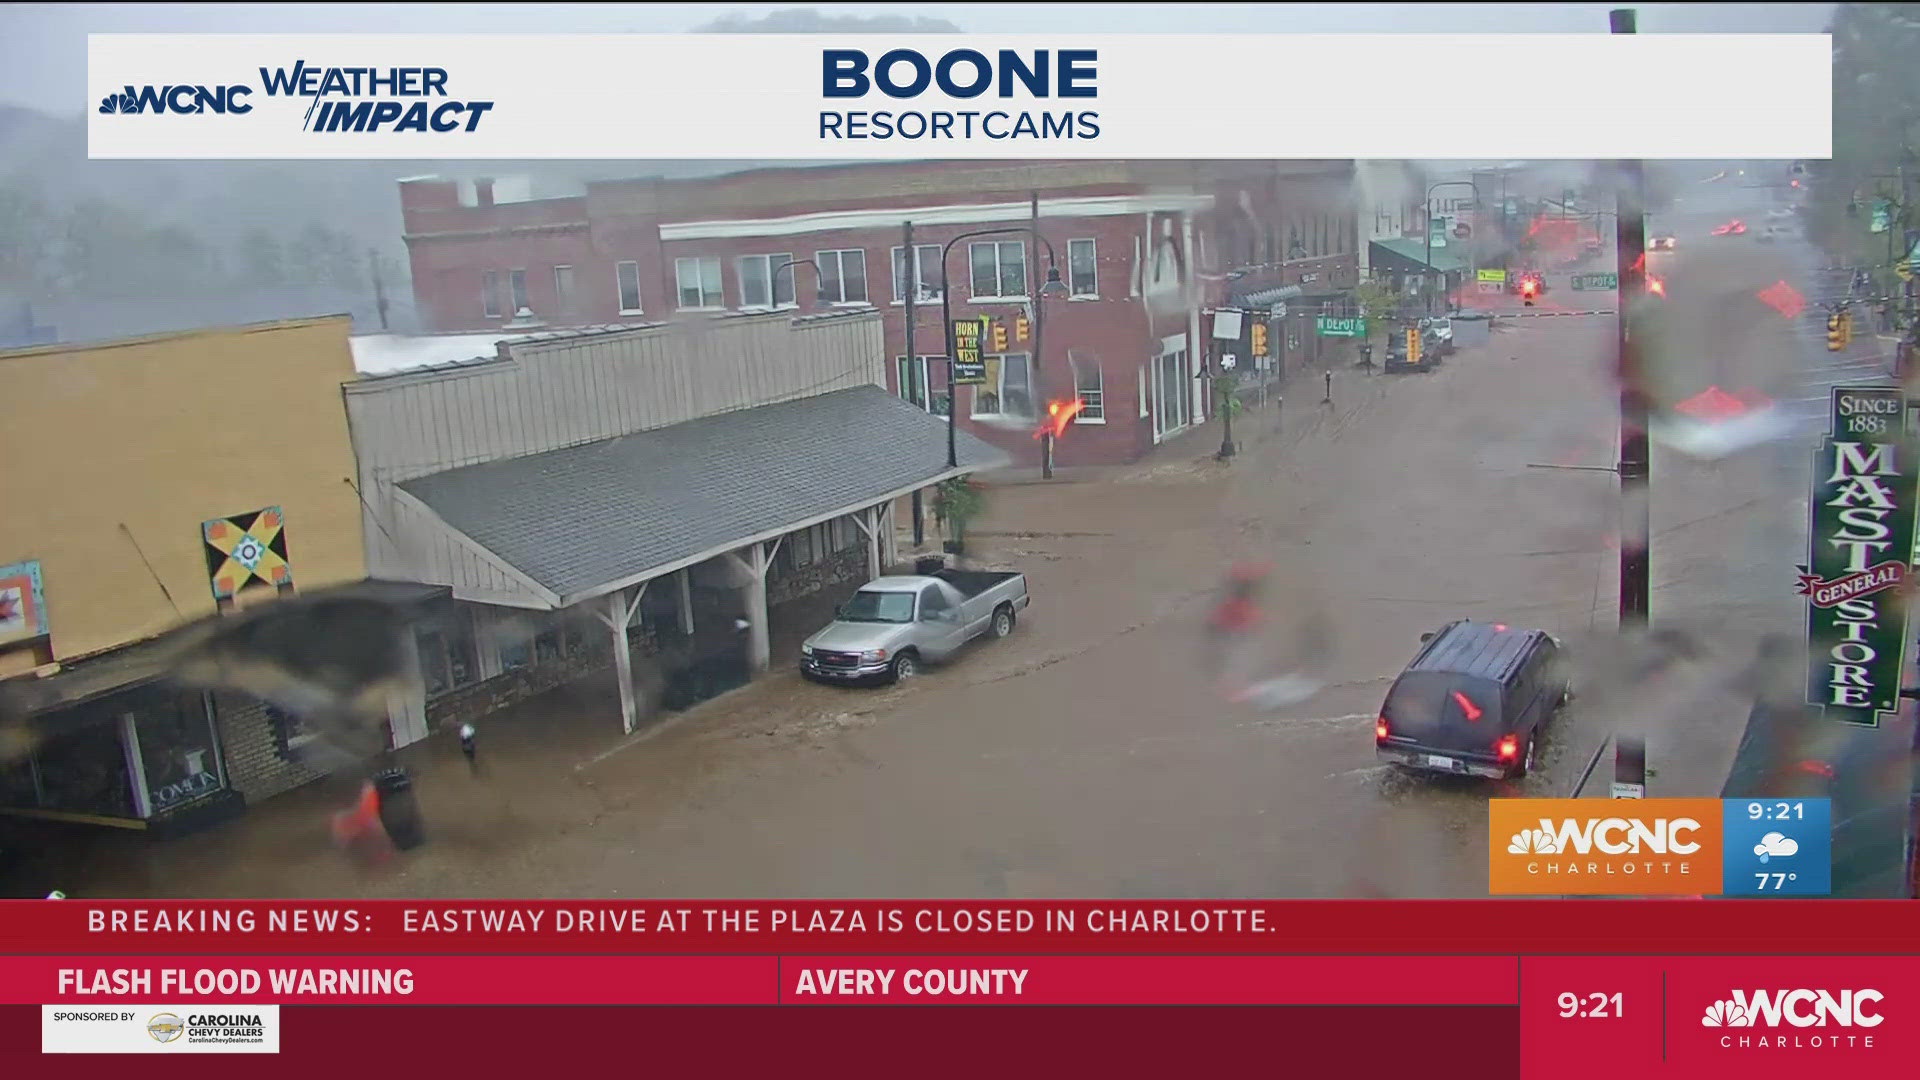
(874, 655)
(805, 649)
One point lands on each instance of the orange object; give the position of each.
(359, 826)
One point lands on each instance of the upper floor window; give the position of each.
(926, 272)
(999, 268)
(490, 293)
(699, 282)
(1080, 268)
(763, 282)
(627, 279)
(843, 276)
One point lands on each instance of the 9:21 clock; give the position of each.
(1589, 1006)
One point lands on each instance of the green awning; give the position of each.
(1450, 259)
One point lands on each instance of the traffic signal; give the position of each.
(1836, 336)
(999, 338)
(1020, 327)
(1846, 328)
(1259, 339)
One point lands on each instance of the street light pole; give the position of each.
(909, 292)
(1630, 240)
(1053, 286)
(773, 283)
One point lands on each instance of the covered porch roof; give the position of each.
(1409, 255)
(590, 520)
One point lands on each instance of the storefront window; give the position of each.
(83, 767)
(447, 657)
(177, 748)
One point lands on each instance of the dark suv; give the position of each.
(1473, 701)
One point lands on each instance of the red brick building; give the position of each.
(1142, 247)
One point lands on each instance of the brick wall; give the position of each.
(258, 766)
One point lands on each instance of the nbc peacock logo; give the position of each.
(1726, 1014)
(119, 103)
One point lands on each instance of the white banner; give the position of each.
(159, 1029)
(825, 96)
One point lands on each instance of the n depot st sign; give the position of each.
(1860, 547)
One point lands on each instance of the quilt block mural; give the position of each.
(23, 603)
(247, 550)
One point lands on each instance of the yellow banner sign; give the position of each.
(1493, 277)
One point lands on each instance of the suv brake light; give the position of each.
(1380, 730)
(1508, 748)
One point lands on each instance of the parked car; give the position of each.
(895, 624)
(1473, 702)
(1662, 243)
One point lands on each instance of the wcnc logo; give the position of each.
(335, 99)
(178, 99)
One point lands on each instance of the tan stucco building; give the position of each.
(152, 481)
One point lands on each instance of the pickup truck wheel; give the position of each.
(1002, 621)
(904, 667)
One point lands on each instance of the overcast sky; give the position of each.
(43, 46)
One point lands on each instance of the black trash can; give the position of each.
(929, 564)
(399, 810)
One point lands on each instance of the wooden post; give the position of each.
(618, 616)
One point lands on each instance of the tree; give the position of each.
(1377, 302)
(956, 502)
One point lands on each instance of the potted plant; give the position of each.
(957, 501)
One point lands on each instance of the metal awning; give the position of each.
(1266, 298)
(586, 521)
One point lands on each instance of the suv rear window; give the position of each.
(1425, 703)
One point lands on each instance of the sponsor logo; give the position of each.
(1613, 847)
(166, 1027)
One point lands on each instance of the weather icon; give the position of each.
(1776, 846)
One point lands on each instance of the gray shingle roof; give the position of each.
(579, 518)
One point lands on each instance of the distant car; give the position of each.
(1661, 243)
(1473, 702)
(1780, 212)
(1735, 227)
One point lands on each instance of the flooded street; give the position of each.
(1089, 753)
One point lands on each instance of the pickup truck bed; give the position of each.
(972, 583)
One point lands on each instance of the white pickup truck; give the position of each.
(895, 624)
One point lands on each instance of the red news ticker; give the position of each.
(754, 980)
(947, 927)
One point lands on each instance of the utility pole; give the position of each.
(1039, 321)
(379, 288)
(1630, 238)
(909, 292)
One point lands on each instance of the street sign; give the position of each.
(1493, 277)
(968, 368)
(1861, 507)
(1882, 216)
(1226, 325)
(1629, 791)
(1437, 232)
(1332, 326)
(1595, 282)
(1228, 361)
